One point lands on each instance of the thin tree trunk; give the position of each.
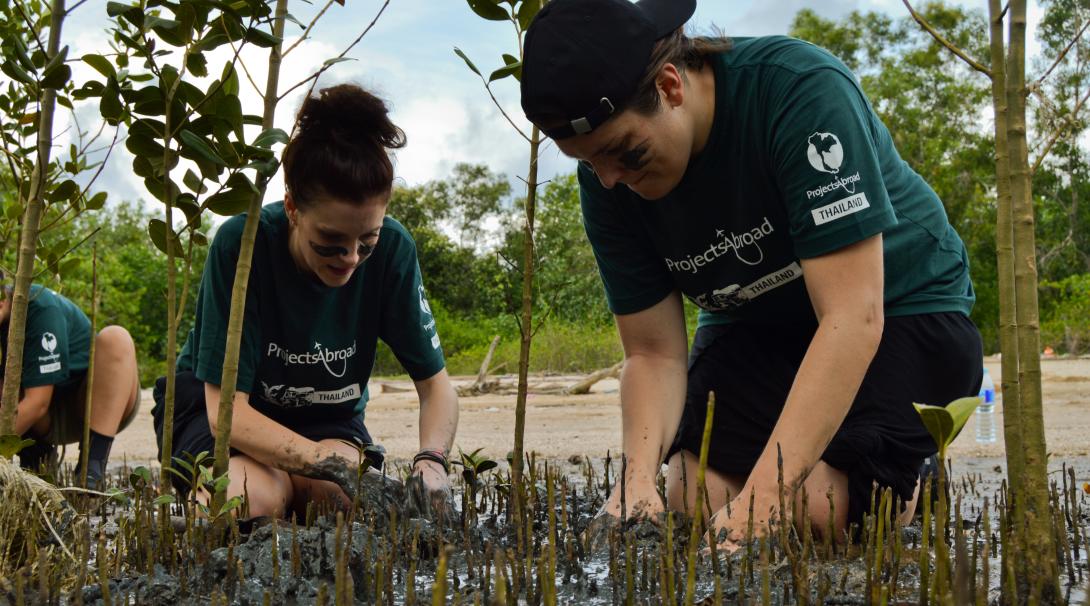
(28, 237)
(85, 449)
(527, 321)
(1004, 239)
(242, 271)
(1039, 550)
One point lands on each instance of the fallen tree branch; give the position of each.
(583, 387)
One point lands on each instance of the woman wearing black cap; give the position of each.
(753, 176)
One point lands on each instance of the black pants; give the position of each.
(192, 434)
(929, 359)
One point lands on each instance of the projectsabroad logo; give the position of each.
(826, 155)
(321, 355)
(725, 242)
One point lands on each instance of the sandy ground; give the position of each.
(559, 426)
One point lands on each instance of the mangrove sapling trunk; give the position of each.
(84, 451)
(28, 236)
(242, 269)
(1040, 562)
(526, 324)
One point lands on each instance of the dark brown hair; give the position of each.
(339, 147)
(684, 53)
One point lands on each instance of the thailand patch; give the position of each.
(841, 208)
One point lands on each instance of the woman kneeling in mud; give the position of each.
(331, 275)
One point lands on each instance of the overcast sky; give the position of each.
(408, 59)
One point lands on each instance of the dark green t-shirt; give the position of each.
(307, 348)
(58, 340)
(797, 165)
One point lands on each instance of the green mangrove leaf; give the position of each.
(507, 70)
(527, 12)
(100, 64)
(488, 9)
(10, 445)
(473, 68)
(945, 422)
(200, 147)
(163, 499)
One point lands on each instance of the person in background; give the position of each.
(331, 275)
(53, 385)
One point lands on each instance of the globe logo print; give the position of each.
(49, 342)
(825, 152)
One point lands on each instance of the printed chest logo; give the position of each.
(50, 362)
(746, 247)
(826, 155)
(333, 361)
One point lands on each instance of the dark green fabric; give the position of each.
(307, 347)
(797, 165)
(57, 346)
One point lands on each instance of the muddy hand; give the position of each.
(429, 496)
(338, 470)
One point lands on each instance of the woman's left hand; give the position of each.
(429, 490)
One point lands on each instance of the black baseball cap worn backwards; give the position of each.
(583, 59)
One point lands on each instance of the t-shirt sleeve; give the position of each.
(825, 161)
(408, 325)
(45, 348)
(214, 309)
(634, 276)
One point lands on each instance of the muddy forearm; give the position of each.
(438, 412)
(264, 439)
(652, 398)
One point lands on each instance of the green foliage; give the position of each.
(473, 465)
(10, 445)
(945, 422)
(1066, 306)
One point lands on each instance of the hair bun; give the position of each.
(350, 116)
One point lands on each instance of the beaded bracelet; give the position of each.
(433, 455)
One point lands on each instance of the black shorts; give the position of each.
(929, 359)
(192, 434)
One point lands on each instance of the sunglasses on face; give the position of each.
(363, 250)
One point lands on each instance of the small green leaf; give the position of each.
(140, 476)
(193, 182)
(157, 229)
(117, 495)
(67, 190)
(336, 60)
(17, 73)
(231, 504)
(488, 9)
(200, 147)
(97, 201)
(10, 445)
(100, 64)
(270, 137)
(527, 12)
(261, 38)
(945, 422)
(507, 70)
(229, 202)
(163, 499)
(458, 51)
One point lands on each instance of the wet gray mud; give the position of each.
(492, 550)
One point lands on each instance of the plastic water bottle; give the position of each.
(985, 412)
